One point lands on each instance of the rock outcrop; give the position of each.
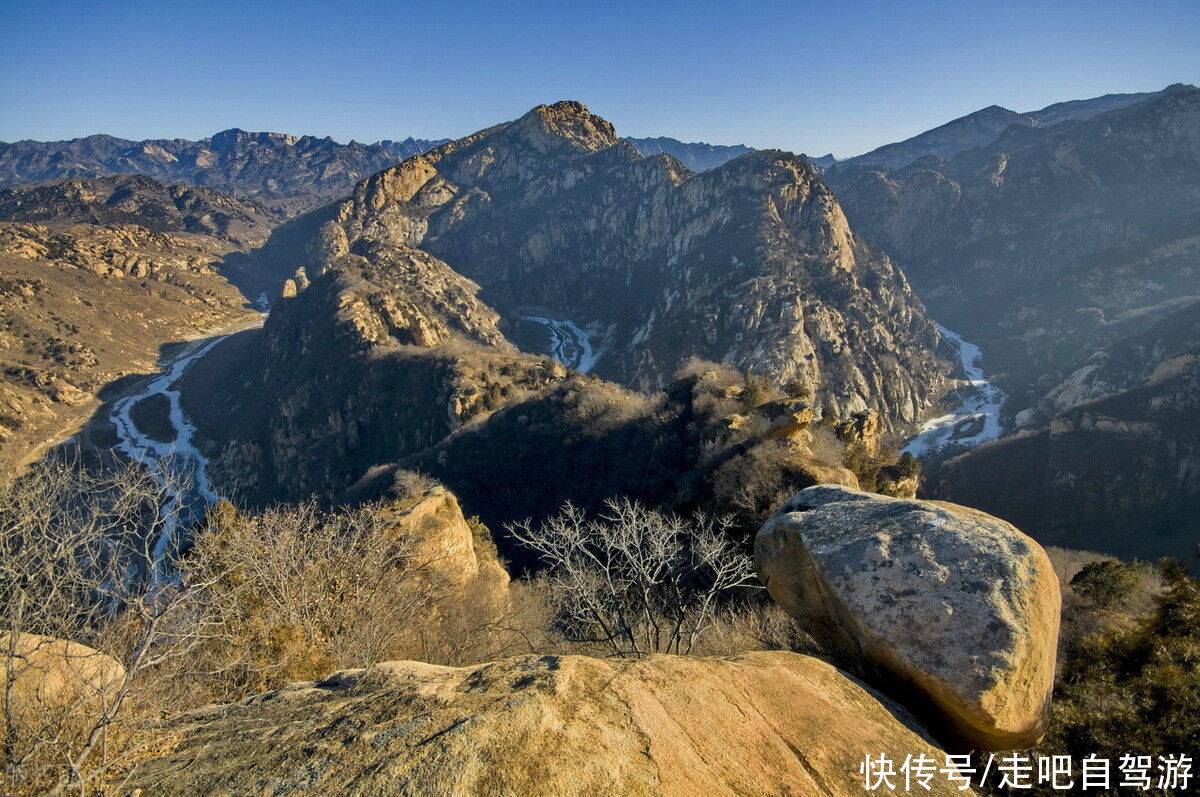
(50, 678)
(446, 550)
(759, 723)
(957, 607)
(290, 174)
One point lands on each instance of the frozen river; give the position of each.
(977, 417)
(569, 344)
(179, 463)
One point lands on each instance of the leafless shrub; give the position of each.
(635, 580)
(409, 484)
(302, 591)
(76, 549)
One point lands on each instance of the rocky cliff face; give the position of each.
(751, 263)
(290, 174)
(1050, 242)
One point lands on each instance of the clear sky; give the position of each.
(806, 76)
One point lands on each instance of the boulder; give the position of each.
(53, 677)
(756, 724)
(951, 606)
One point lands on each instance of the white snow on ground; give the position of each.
(190, 492)
(976, 419)
(569, 344)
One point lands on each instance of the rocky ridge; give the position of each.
(290, 174)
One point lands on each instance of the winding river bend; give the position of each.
(977, 417)
(569, 344)
(178, 465)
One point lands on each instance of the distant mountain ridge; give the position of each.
(983, 127)
(698, 156)
(289, 174)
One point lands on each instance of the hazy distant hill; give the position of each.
(982, 128)
(697, 155)
(290, 174)
(1071, 254)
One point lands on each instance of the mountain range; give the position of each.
(1061, 241)
(1068, 253)
(285, 173)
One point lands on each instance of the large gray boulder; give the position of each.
(955, 605)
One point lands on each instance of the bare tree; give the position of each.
(633, 579)
(76, 551)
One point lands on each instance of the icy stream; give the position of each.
(976, 419)
(569, 344)
(181, 465)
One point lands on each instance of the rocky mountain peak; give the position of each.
(549, 127)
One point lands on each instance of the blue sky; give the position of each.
(806, 76)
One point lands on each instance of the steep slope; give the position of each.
(1036, 244)
(290, 174)
(132, 199)
(751, 263)
(695, 155)
(1119, 473)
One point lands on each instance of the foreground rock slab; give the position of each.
(957, 609)
(761, 723)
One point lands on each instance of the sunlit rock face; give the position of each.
(751, 263)
(756, 724)
(948, 602)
